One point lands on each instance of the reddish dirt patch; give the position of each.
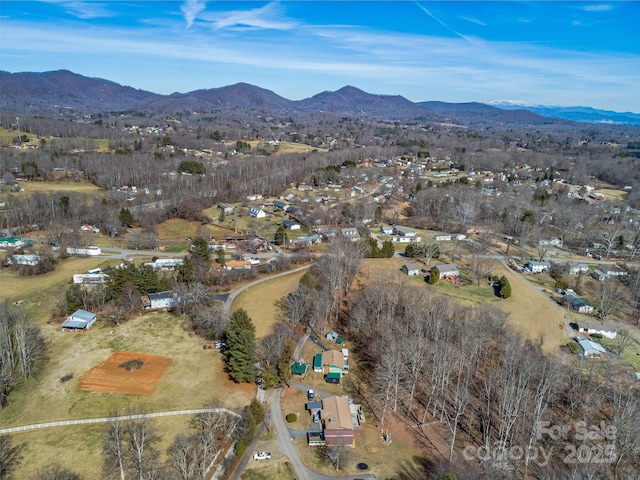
(111, 376)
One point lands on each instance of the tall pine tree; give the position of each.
(240, 349)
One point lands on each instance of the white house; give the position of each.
(350, 233)
(165, 263)
(448, 270)
(411, 269)
(605, 329)
(23, 260)
(89, 251)
(386, 230)
(537, 267)
(256, 212)
(79, 320)
(404, 231)
(90, 278)
(159, 300)
(550, 242)
(576, 303)
(578, 268)
(406, 239)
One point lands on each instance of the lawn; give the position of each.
(195, 378)
(49, 187)
(40, 292)
(260, 300)
(268, 470)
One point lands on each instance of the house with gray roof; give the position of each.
(79, 320)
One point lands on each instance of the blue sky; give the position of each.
(550, 53)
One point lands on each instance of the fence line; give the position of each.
(63, 423)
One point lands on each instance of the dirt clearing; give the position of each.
(126, 372)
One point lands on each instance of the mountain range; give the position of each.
(65, 91)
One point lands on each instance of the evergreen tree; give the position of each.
(505, 287)
(434, 276)
(185, 272)
(126, 217)
(280, 238)
(221, 259)
(240, 350)
(308, 280)
(284, 364)
(200, 249)
(388, 249)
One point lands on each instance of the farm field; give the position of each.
(260, 301)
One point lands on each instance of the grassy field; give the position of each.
(49, 187)
(40, 292)
(260, 300)
(530, 312)
(276, 469)
(196, 377)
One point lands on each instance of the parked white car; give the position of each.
(262, 456)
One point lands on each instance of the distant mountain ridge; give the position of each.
(576, 114)
(49, 92)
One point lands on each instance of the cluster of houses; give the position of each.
(400, 234)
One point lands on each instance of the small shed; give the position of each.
(299, 369)
(79, 320)
(331, 335)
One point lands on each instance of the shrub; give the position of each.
(434, 276)
(291, 418)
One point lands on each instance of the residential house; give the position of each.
(448, 270)
(254, 197)
(256, 212)
(536, 267)
(237, 264)
(607, 330)
(290, 225)
(386, 230)
(550, 242)
(404, 231)
(398, 239)
(307, 241)
(337, 422)
(576, 303)
(332, 364)
(590, 349)
(159, 301)
(442, 238)
(578, 268)
(351, 233)
(89, 251)
(90, 278)
(79, 320)
(224, 208)
(410, 268)
(280, 205)
(31, 260)
(10, 242)
(165, 263)
(607, 273)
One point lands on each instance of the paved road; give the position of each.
(63, 423)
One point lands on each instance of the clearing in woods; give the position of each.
(126, 372)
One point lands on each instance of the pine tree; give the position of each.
(126, 218)
(284, 364)
(434, 276)
(185, 272)
(505, 287)
(388, 249)
(240, 350)
(280, 238)
(200, 248)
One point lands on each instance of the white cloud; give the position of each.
(84, 10)
(191, 9)
(597, 8)
(270, 16)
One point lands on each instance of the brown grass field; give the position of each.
(530, 311)
(113, 376)
(260, 301)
